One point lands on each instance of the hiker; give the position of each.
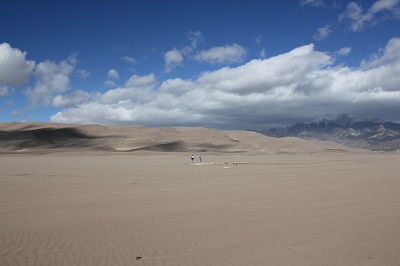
(192, 158)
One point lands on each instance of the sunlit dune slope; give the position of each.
(51, 137)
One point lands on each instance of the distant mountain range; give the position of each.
(350, 131)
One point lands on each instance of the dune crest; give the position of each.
(51, 137)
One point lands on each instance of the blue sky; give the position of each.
(221, 64)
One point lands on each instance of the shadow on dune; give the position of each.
(181, 146)
(44, 138)
(173, 146)
(49, 135)
(53, 135)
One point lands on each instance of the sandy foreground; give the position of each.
(325, 208)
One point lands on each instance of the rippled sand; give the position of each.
(322, 207)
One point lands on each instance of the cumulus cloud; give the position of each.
(109, 83)
(389, 56)
(344, 51)
(172, 59)
(227, 54)
(359, 20)
(141, 81)
(175, 57)
(14, 68)
(51, 79)
(322, 33)
(297, 85)
(70, 100)
(113, 74)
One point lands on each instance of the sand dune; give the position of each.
(116, 195)
(47, 137)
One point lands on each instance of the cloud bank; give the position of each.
(290, 87)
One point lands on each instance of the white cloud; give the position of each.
(389, 56)
(128, 59)
(359, 20)
(113, 74)
(258, 39)
(297, 85)
(125, 97)
(51, 79)
(344, 51)
(14, 68)
(263, 53)
(173, 59)
(195, 38)
(70, 100)
(141, 81)
(382, 5)
(174, 89)
(83, 74)
(227, 54)
(268, 74)
(4, 91)
(314, 3)
(322, 33)
(17, 112)
(109, 83)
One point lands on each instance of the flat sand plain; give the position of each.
(327, 208)
(129, 195)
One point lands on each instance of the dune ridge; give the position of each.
(50, 137)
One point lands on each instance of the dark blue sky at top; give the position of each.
(99, 30)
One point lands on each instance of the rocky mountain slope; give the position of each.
(350, 131)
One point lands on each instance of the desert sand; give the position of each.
(97, 195)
